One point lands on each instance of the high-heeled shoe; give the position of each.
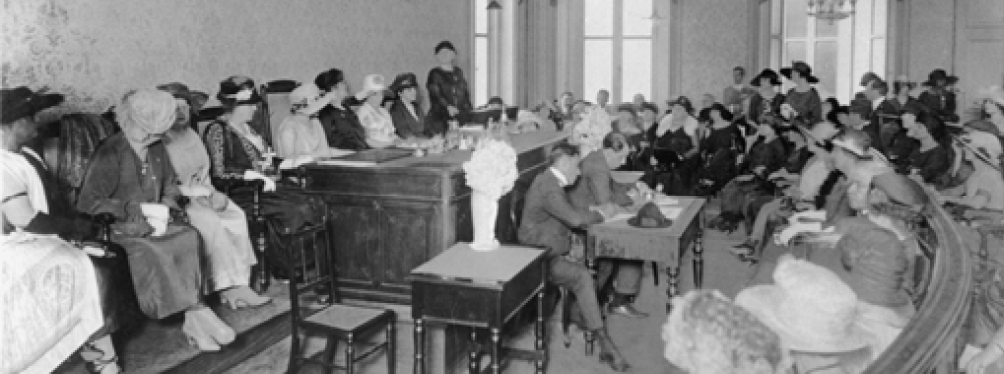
(242, 297)
(196, 334)
(104, 365)
(214, 326)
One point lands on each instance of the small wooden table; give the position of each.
(618, 239)
(482, 290)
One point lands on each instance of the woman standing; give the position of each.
(132, 178)
(447, 87)
(373, 116)
(805, 105)
(222, 224)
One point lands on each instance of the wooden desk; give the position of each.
(481, 290)
(618, 239)
(387, 219)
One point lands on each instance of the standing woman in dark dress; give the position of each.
(720, 150)
(234, 151)
(342, 127)
(448, 93)
(803, 98)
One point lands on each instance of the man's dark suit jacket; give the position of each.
(549, 216)
(595, 186)
(408, 125)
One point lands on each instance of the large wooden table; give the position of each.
(390, 218)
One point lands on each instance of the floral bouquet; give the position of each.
(491, 173)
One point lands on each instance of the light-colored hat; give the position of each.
(995, 94)
(152, 110)
(985, 145)
(307, 99)
(809, 307)
(371, 84)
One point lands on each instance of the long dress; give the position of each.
(720, 148)
(446, 88)
(166, 269)
(229, 253)
(669, 149)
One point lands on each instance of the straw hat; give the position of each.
(809, 307)
(373, 83)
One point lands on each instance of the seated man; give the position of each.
(548, 218)
(597, 188)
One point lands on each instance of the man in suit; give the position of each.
(548, 218)
(883, 121)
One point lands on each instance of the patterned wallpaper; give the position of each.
(95, 50)
(714, 42)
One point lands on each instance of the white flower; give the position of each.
(492, 168)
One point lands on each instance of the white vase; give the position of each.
(484, 211)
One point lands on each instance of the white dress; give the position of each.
(229, 253)
(378, 124)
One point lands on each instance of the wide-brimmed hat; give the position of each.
(994, 94)
(940, 74)
(152, 110)
(683, 101)
(775, 80)
(985, 145)
(238, 90)
(195, 99)
(307, 99)
(446, 44)
(803, 69)
(982, 125)
(403, 81)
(650, 217)
(372, 83)
(824, 131)
(854, 141)
(21, 102)
(809, 307)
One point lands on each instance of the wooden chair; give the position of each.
(276, 106)
(325, 315)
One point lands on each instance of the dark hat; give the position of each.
(445, 45)
(775, 80)
(861, 106)
(940, 74)
(238, 90)
(650, 217)
(21, 102)
(722, 111)
(683, 101)
(328, 79)
(868, 77)
(803, 69)
(403, 81)
(179, 90)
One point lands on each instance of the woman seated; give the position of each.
(407, 113)
(222, 224)
(931, 159)
(132, 178)
(236, 150)
(627, 121)
(675, 149)
(301, 135)
(341, 125)
(766, 157)
(983, 190)
(721, 150)
(380, 131)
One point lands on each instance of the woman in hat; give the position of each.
(131, 177)
(816, 315)
(301, 135)
(984, 188)
(805, 105)
(675, 148)
(236, 152)
(380, 131)
(765, 104)
(708, 334)
(28, 206)
(766, 156)
(448, 94)
(341, 125)
(720, 150)
(222, 223)
(938, 97)
(407, 113)
(930, 160)
(993, 109)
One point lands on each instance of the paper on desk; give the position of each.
(665, 200)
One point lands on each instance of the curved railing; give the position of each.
(931, 341)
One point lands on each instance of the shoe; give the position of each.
(242, 297)
(214, 326)
(627, 310)
(196, 334)
(745, 252)
(615, 361)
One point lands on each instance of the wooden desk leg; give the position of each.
(698, 261)
(496, 351)
(590, 342)
(419, 346)
(673, 273)
(474, 356)
(540, 344)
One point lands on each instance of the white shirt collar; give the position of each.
(877, 102)
(562, 180)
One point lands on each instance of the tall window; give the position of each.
(839, 52)
(618, 48)
(480, 89)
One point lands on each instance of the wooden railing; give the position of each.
(932, 341)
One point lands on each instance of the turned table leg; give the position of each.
(673, 273)
(473, 357)
(540, 342)
(496, 351)
(419, 346)
(698, 262)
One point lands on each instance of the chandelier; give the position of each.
(831, 10)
